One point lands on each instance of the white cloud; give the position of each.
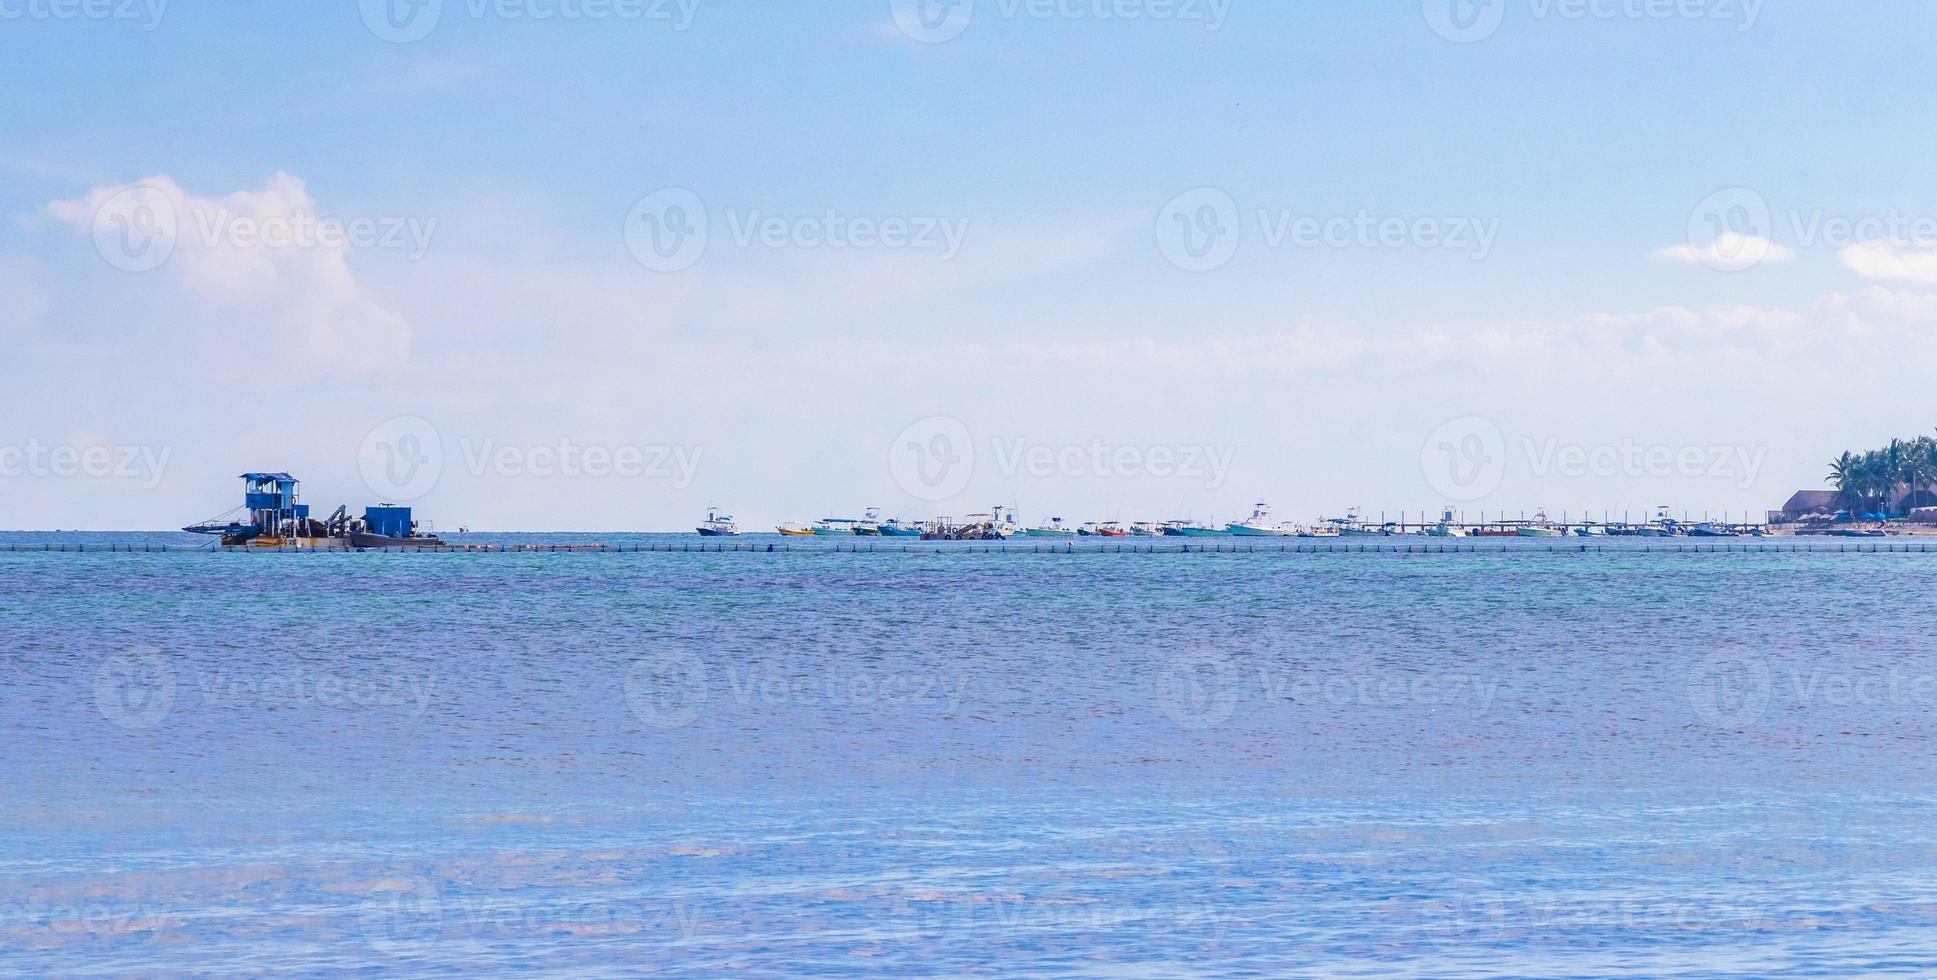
(1728, 251)
(1884, 261)
(315, 312)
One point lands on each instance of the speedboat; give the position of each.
(1110, 529)
(870, 523)
(1259, 525)
(1145, 529)
(1590, 530)
(795, 529)
(718, 525)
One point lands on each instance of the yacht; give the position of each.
(718, 525)
(1259, 525)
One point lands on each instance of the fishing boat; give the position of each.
(1713, 529)
(1052, 528)
(1110, 529)
(835, 526)
(894, 528)
(1190, 529)
(870, 523)
(1350, 526)
(1259, 525)
(1145, 529)
(718, 525)
(978, 527)
(795, 529)
(1321, 531)
(1540, 527)
(1446, 528)
(1591, 530)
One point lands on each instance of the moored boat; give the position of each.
(718, 525)
(1052, 528)
(1260, 525)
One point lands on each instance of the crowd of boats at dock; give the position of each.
(1001, 523)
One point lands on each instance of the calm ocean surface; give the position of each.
(1540, 762)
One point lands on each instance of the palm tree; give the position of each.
(1846, 474)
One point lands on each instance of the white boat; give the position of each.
(870, 523)
(1144, 529)
(1259, 525)
(1542, 527)
(718, 525)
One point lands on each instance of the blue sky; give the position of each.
(1587, 136)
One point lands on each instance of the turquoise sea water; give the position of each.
(1530, 762)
